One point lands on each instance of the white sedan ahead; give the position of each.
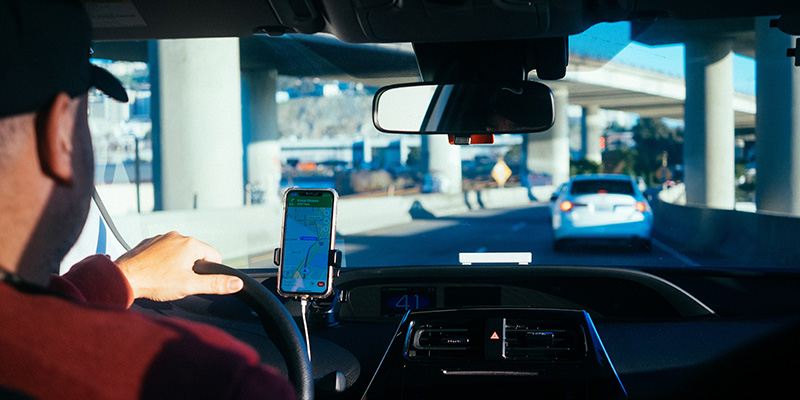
(602, 207)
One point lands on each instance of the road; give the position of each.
(522, 229)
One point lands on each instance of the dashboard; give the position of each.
(507, 352)
(384, 327)
(370, 294)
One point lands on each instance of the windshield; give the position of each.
(219, 128)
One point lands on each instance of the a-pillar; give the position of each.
(443, 162)
(592, 126)
(777, 122)
(261, 126)
(709, 141)
(198, 123)
(548, 151)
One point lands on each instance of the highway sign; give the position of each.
(501, 173)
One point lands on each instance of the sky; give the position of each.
(612, 40)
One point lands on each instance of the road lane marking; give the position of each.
(675, 253)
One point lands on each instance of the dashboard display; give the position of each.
(472, 296)
(399, 300)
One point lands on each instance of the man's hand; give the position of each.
(160, 268)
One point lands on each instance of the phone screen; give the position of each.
(307, 236)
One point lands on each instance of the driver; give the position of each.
(72, 336)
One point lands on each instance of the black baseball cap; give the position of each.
(44, 50)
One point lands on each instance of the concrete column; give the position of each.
(777, 122)
(397, 153)
(261, 127)
(548, 151)
(443, 162)
(709, 141)
(362, 153)
(592, 126)
(200, 123)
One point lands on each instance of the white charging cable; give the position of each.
(304, 317)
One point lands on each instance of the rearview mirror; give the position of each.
(464, 108)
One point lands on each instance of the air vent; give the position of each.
(445, 340)
(544, 340)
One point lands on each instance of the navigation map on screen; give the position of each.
(307, 243)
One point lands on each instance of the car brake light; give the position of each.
(640, 206)
(566, 205)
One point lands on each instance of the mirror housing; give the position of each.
(464, 109)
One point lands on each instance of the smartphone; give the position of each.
(307, 240)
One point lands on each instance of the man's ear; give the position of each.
(55, 128)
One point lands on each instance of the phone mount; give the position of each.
(326, 311)
(334, 258)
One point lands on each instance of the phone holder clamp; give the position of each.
(334, 258)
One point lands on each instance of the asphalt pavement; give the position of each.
(438, 241)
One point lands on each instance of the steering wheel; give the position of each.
(278, 324)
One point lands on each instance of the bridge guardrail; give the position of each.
(752, 238)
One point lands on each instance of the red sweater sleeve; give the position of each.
(95, 280)
(123, 354)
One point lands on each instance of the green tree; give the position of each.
(582, 167)
(620, 161)
(654, 139)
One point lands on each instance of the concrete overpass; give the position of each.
(646, 93)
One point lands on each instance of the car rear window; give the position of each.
(602, 186)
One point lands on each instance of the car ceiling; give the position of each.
(360, 21)
(302, 55)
